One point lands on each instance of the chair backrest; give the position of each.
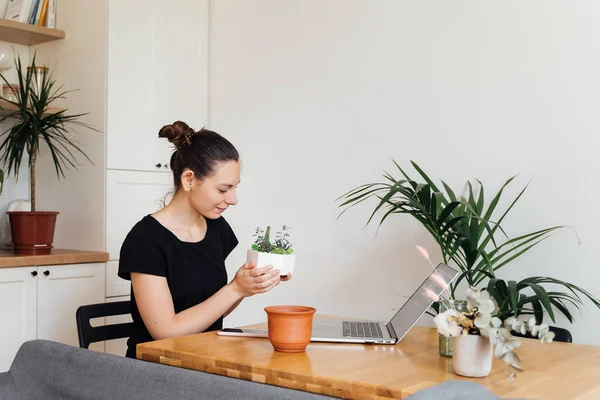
(560, 334)
(88, 334)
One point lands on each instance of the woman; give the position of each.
(175, 258)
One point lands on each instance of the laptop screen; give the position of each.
(421, 300)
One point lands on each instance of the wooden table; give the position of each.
(552, 370)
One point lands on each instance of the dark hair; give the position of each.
(199, 151)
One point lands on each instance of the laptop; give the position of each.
(379, 332)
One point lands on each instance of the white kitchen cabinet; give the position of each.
(61, 290)
(130, 195)
(117, 346)
(18, 311)
(115, 286)
(157, 74)
(40, 302)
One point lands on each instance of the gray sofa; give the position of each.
(49, 370)
(54, 371)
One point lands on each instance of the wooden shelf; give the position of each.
(27, 34)
(7, 108)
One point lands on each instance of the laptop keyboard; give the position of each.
(362, 330)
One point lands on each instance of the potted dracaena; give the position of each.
(469, 234)
(33, 123)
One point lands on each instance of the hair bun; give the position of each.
(177, 133)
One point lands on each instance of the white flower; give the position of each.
(508, 322)
(512, 342)
(548, 337)
(481, 300)
(511, 358)
(486, 306)
(473, 297)
(483, 320)
(515, 325)
(496, 322)
(523, 329)
(534, 330)
(501, 349)
(446, 323)
(543, 329)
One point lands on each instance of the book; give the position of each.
(42, 19)
(51, 14)
(32, 12)
(18, 10)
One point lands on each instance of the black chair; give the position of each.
(560, 334)
(88, 334)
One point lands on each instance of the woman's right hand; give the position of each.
(250, 280)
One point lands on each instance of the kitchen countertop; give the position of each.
(58, 256)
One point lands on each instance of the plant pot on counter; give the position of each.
(32, 231)
(472, 355)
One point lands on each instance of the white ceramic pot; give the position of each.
(283, 262)
(472, 355)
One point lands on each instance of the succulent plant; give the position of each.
(281, 245)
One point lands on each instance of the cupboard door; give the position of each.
(18, 311)
(115, 286)
(157, 73)
(130, 91)
(61, 290)
(130, 195)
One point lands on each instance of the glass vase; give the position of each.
(445, 343)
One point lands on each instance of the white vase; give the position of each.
(283, 262)
(472, 355)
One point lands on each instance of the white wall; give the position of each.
(14, 189)
(79, 62)
(319, 95)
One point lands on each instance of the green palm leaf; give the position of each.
(31, 124)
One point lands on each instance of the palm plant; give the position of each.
(31, 123)
(467, 230)
(513, 302)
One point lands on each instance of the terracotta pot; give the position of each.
(290, 327)
(472, 355)
(32, 231)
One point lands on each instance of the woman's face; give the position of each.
(212, 195)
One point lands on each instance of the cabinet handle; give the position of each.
(158, 165)
(46, 272)
(33, 273)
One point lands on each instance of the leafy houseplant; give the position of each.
(468, 232)
(478, 329)
(34, 122)
(277, 253)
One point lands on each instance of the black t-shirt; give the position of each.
(194, 270)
